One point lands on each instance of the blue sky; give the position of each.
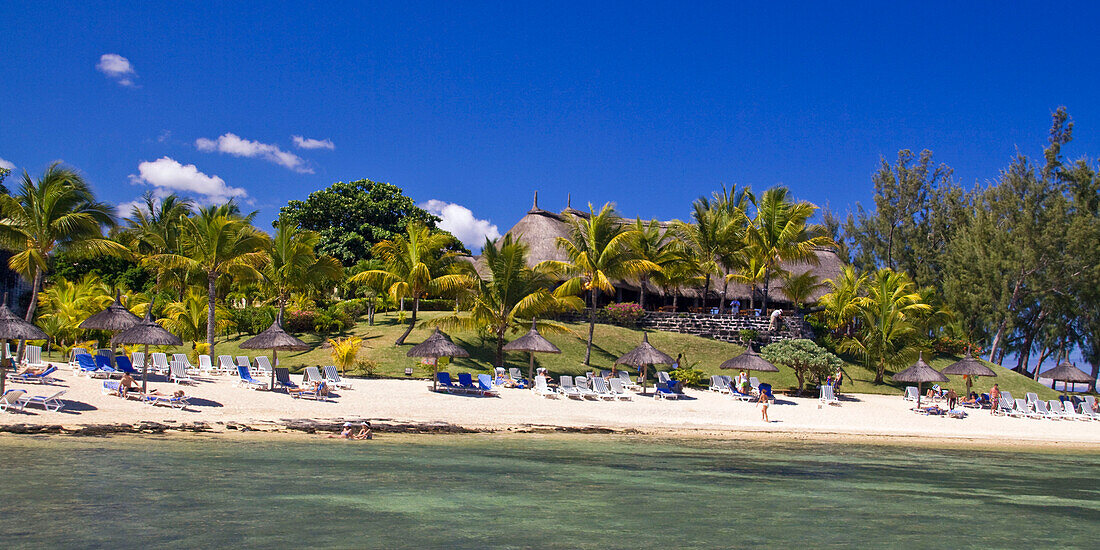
(646, 104)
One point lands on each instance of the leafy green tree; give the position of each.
(153, 228)
(799, 288)
(716, 229)
(54, 213)
(65, 304)
(511, 296)
(599, 252)
(352, 217)
(891, 322)
(652, 242)
(293, 265)
(417, 265)
(187, 318)
(218, 242)
(841, 304)
(804, 357)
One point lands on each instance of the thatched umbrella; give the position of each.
(749, 360)
(643, 356)
(532, 342)
(970, 367)
(918, 374)
(115, 318)
(150, 333)
(1066, 372)
(274, 339)
(13, 328)
(437, 345)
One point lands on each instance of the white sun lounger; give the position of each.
(311, 374)
(1069, 412)
(50, 403)
(1056, 410)
(581, 383)
(754, 383)
(1031, 398)
(182, 358)
(569, 389)
(619, 391)
(137, 359)
(177, 373)
(911, 393)
(332, 378)
(1042, 411)
(662, 376)
(34, 357)
(629, 384)
(160, 363)
(599, 385)
(204, 365)
(12, 400)
(718, 384)
(263, 365)
(1087, 412)
(827, 395)
(541, 388)
(226, 364)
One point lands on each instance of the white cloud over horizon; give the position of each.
(7, 164)
(118, 68)
(167, 175)
(461, 222)
(310, 143)
(237, 146)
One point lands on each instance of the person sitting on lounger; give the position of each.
(127, 385)
(970, 399)
(365, 432)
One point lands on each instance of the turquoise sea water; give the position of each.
(553, 491)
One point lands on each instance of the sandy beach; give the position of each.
(218, 402)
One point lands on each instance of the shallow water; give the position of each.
(553, 491)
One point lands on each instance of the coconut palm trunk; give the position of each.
(211, 296)
(591, 326)
(412, 323)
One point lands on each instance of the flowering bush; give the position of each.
(953, 346)
(624, 314)
(299, 321)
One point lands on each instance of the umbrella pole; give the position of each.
(919, 391)
(145, 370)
(3, 365)
(435, 374)
(274, 361)
(531, 368)
(644, 371)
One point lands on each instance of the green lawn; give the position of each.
(610, 342)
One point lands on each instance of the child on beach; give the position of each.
(764, 407)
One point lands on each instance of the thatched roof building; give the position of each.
(540, 229)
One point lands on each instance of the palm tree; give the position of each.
(218, 241)
(154, 228)
(511, 296)
(713, 239)
(417, 265)
(891, 316)
(294, 266)
(65, 304)
(651, 242)
(599, 253)
(842, 302)
(187, 318)
(799, 288)
(732, 204)
(781, 235)
(750, 273)
(56, 212)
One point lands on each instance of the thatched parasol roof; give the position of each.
(645, 354)
(750, 360)
(920, 373)
(114, 318)
(968, 366)
(533, 342)
(14, 328)
(437, 345)
(274, 338)
(147, 332)
(1066, 372)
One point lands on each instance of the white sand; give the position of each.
(218, 401)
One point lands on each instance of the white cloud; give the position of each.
(310, 143)
(7, 164)
(233, 144)
(461, 223)
(117, 67)
(168, 175)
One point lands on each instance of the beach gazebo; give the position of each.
(970, 367)
(532, 343)
(1066, 373)
(749, 360)
(918, 374)
(643, 356)
(13, 328)
(149, 333)
(115, 318)
(435, 346)
(275, 339)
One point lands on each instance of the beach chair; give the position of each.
(543, 389)
(226, 364)
(582, 385)
(1089, 400)
(173, 401)
(111, 387)
(1069, 412)
(466, 382)
(316, 392)
(177, 373)
(34, 357)
(568, 389)
(827, 396)
(766, 389)
(242, 361)
(35, 378)
(1054, 408)
(662, 376)
(754, 383)
(911, 393)
(619, 391)
(72, 356)
(244, 378)
(122, 363)
(1031, 398)
(734, 393)
(138, 359)
(182, 358)
(160, 363)
(1087, 412)
(85, 365)
(718, 384)
(50, 402)
(485, 384)
(603, 391)
(664, 390)
(444, 383)
(1022, 409)
(629, 384)
(332, 378)
(12, 400)
(205, 367)
(263, 365)
(282, 378)
(518, 378)
(1040, 410)
(104, 368)
(311, 374)
(1006, 408)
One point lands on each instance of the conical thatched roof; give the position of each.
(275, 338)
(1066, 372)
(147, 332)
(645, 354)
(14, 328)
(437, 345)
(968, 366)
(532, 341)
(750, 360)
(114, 318)
(919, 373)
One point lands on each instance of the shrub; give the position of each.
(345, 351)
(804, 357)
(748, 335)
(300, 321)
(200, 348)
(435, 304)
(953, 346)
(252, 320)
(351, 309)
(688, 376)
(625, 314)
(326, 322)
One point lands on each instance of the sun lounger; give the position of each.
(226, 364)
(754, 383)
(317, 392)
(1022, 409)
(911, 393)
(603, 391)
(104, 368)
(245, 379)
(177, 373)
(33, 378)
(518, 378)
(586, 392)
(569, 389)
(664, 390)
(662, 376)
(445, 384)
(111, 387)
(122, 363)
(182, 358)
(485, 384)
(1054, 407)
(242, 361)
(543, 389)
(827, 396)
(619, 391)
(718, 384)
(33, 357)
(956, 413)
(205, 367)
(1089, 400)
(1087, 412)
(311, 374)
(50, 403)
(86, 365)
(1042, 411)
(138, 359)
(160, 363)
(332, 378)
(72, 356)
(12, 400)
(1007, 408)
(1031, 398)
(1069, 412)
(167, 400)
(263, 366)
(282, 378)
(629, 384)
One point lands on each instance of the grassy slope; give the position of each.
(610, 342)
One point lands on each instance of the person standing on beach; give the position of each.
(994, 398)
(764, 407)
(952, 398)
